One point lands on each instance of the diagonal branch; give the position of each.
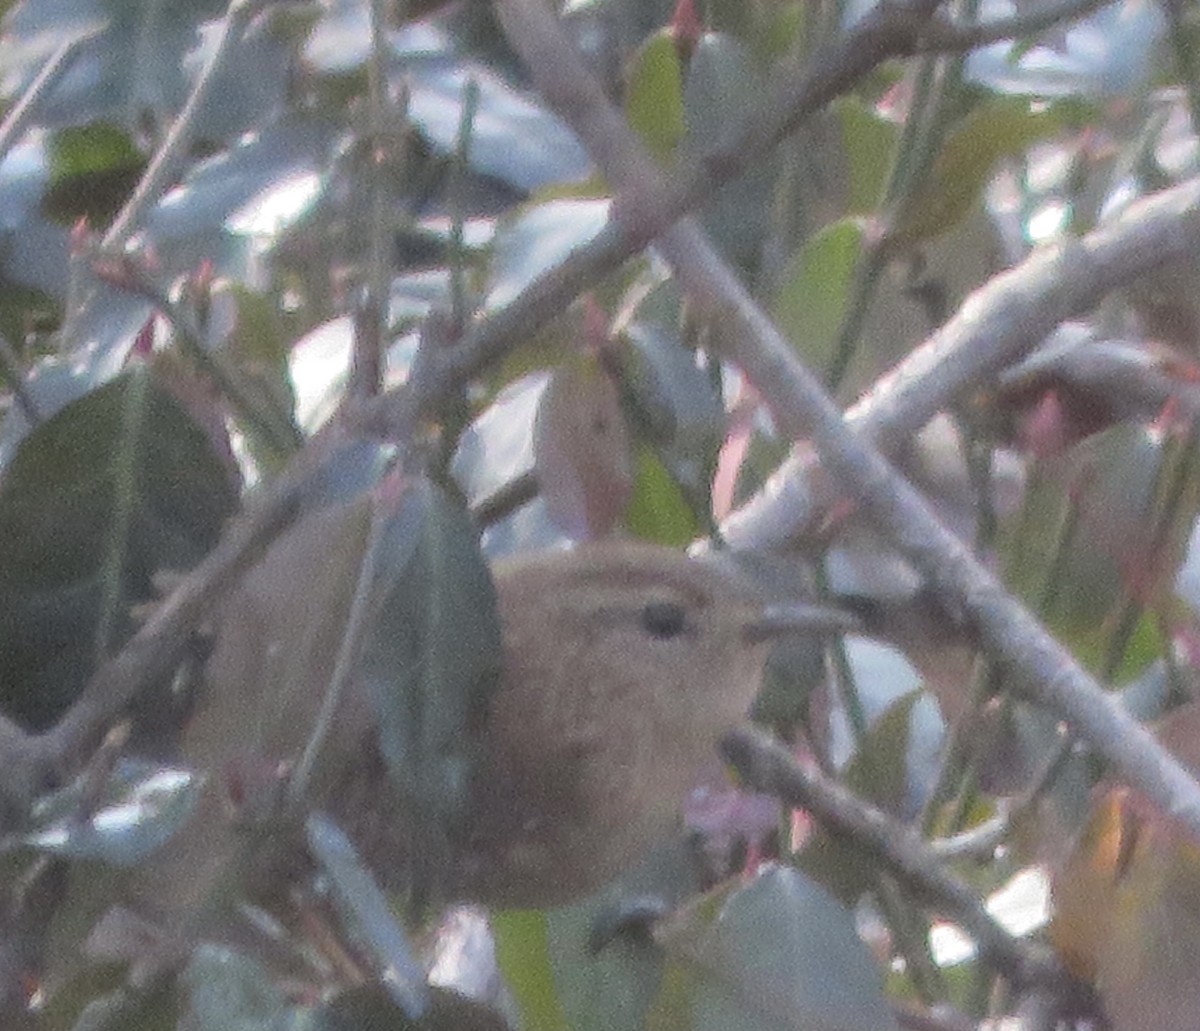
(888, 33)
(892, 30)
(168, 159)
(998, 324)
(1018, 643)
(768, 766)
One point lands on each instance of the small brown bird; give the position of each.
(622, 664)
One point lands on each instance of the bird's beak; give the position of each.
(783, 618)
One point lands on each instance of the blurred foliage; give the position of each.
(147, 393)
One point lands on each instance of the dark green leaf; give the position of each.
(97, 147)
(723, 83)
(677, 403)
(432, 656)
(117, 486)
(606, 967)
(92, 170)
(368, 1007)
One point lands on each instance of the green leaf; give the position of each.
(782, 954)
(523, 957)
(658, 511)
(879, 772)
(92, 169)
(609, 977)
(654, 96)
(432, 656)
(1105, 526)
(811, 303)
(674, 402)
(1001, 127)
(113, 488)
(869, 143)
(84, 149)
(723, 83)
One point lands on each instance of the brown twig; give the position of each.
(164, 166)
(59, 63)
(768, 766)
(880, 37)
(890, 31)
(506, 499)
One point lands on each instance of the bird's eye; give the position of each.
(664, 620)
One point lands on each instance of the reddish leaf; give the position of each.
(582, 450)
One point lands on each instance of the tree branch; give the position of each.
(1001, 322)
(767, 766)
(946, 36)
(1018, 643)
(59, 63)
(164, 167)
(890, 31)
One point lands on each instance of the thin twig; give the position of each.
(349, 649)
(979, 843)
(153, 648)
(1042, 669)
(274, 427)
(52, 71)
(950, 36)
(459, 170)
(889, 31)
(366, 370)
(505, 499)
(768, 766)
(164, 166)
